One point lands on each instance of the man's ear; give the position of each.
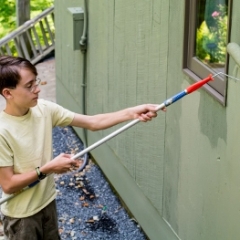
(7, 93)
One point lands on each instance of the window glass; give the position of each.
(211, 33)
(205, 40)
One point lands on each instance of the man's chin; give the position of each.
(34, 102)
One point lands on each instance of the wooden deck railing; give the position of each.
(32, 40)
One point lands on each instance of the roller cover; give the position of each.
(234, 51)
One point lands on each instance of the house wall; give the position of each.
(178, 174)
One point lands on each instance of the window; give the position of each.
(206, 37)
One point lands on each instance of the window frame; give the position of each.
(193, 67)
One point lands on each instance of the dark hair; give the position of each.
(9, 70)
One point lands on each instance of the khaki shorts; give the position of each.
(41, 226)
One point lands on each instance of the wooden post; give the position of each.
(22, 11)
(23, 15)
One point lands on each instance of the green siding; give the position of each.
(125, 69)
(180, 172)
(69, 63)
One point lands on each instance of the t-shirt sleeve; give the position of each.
(6, 154)
(60, 115)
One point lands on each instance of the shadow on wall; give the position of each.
(212, 118)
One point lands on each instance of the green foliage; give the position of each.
(37, 6)
(202, 41)
(7, 16)
(211, 38)
(8, 13)
(40, 5)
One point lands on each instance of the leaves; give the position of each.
(8, 13)
(7, 17)
(212, 36)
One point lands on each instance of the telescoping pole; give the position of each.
(166, 103)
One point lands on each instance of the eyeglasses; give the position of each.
(38, 81)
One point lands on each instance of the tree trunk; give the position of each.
(23, 15)
(22, 11)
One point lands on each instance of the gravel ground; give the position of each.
(87, 206)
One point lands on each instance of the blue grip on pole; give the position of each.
(175, 98)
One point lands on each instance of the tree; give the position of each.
(7, 16)
(22, 11)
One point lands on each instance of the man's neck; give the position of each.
(15, 111)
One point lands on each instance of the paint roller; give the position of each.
(234, 51)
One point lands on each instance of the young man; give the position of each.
(26, 149)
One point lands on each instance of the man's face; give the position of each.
(25, 95)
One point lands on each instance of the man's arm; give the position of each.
(102, 121)
(12, 182)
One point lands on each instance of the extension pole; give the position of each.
(168, 102)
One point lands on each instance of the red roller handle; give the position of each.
(199, 84)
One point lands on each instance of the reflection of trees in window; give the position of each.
(211, 32)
